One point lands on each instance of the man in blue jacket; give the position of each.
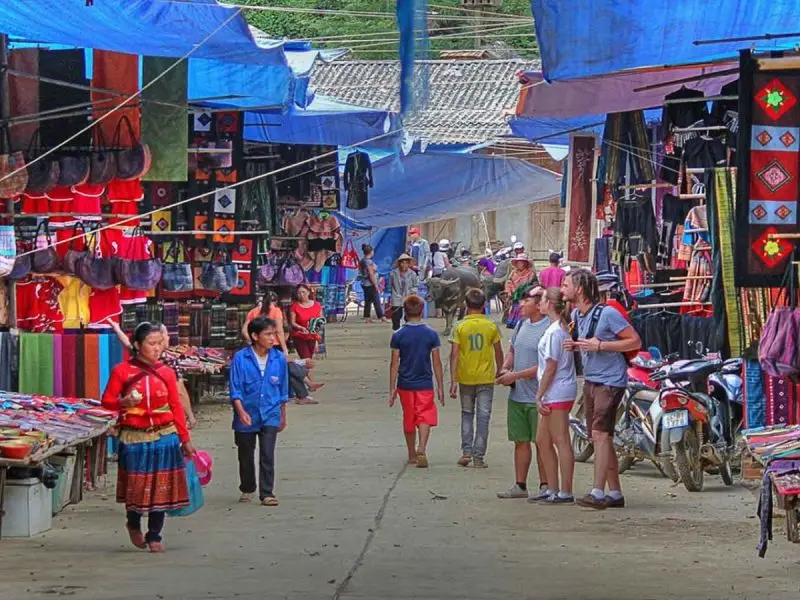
(259, 385)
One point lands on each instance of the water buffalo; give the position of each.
(493, 285)
(448, 291)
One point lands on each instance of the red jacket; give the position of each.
(160, 405)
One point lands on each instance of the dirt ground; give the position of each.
(354, 522)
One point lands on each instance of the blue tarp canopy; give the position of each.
(146, 27)
(580, 38)
(428, 186)
(554, 130)
(325, 121)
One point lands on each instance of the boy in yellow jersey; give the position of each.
(476, 356)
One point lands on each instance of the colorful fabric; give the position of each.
(36, 363)
(165, 128)
(769, 184)
(91, 366)
(754, 396)
(116, 72)
(580, 211)
(781, 396)
(151, 476)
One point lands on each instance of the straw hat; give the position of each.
(403, 257)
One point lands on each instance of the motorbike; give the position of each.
(696, 430)
(639, 395)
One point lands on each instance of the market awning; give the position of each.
(552, 130)
(581, 38)
(615, 93)
(429, 186)
(325, 121)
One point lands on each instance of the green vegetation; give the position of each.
(371, 37)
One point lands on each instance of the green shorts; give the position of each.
(522, 421)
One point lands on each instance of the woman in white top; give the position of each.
(440, 260)
(558, 387)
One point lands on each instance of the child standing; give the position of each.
(476, 357)
(415, 347)
(259, 385)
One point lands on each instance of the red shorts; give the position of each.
(419, 408)
(561, 405)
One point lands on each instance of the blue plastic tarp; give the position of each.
(429, 186)
(225, 84)
(325, 121)
(145, 27)
(554, 130)
(580, 38)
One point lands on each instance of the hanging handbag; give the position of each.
(74, 170)
(349, 256)
(95, 270)
(268, 271)
(142, 275)
(133, 162)
(219, 276)
(71, 258)
(44, 173)
(22, 263)
(102, 162)
(291, 273)
(13, 175)
(44, 259)
(177, 275)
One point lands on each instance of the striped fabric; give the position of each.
(725, 197)
(151, 476)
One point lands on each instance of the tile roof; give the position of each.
(467, 98)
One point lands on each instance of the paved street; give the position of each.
(356, 523)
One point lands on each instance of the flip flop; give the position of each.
(137, 537)
(422, 461)
(270, 501)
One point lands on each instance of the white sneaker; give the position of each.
(513, 492)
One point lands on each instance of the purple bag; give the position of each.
(777, 349)
(291, 273)
(267, 272)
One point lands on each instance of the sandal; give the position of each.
(306, 400)
(156, 547)
(137, 537)
(270, 501)
(422, 461)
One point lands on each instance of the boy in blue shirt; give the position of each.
(415, 347)
(259, 386)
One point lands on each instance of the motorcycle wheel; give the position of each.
(667, 464)
(687, 461)
(726, 472)
(625, 463)
(581, 448)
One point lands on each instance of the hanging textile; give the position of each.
(625, 140)
(68, 66)
(117, 72)
(36, 363)
(23, 95)
(754, 398)
(580, 207)
(720, 202)
(166, 128)
(769, 162)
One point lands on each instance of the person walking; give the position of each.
(415, 361)
(553, 275)
(476, 356)
(153, 438)
(302, 313)
(368, 273)
(259, 389)
(519, 371)
(558, 387)
(403, 283)
(419, 249)
(602, 335)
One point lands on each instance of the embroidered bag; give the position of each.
(44, 259)
(220, 276)
(142, 275)
(778, 347)
(291, 273)
(96, 270)
(22, 263)
(134, 162)
(42, 174)
(177, 275)
(102, 162)
(70, 262)
(349, 256)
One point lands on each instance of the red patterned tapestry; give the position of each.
(578, 227)
(769, 168)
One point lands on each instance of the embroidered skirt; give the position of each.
(151, 476)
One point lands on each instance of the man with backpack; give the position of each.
(603, 336)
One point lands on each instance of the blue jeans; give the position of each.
(475, 399)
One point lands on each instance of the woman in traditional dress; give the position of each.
(521, 275)
(153, 438)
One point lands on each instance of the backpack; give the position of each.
(777, 349)
(595, 318)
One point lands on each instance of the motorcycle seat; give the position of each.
(694, 369)
(644, 395)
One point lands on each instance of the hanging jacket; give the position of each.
(357, 180)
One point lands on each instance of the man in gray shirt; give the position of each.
(603, 336)
(519, 371)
